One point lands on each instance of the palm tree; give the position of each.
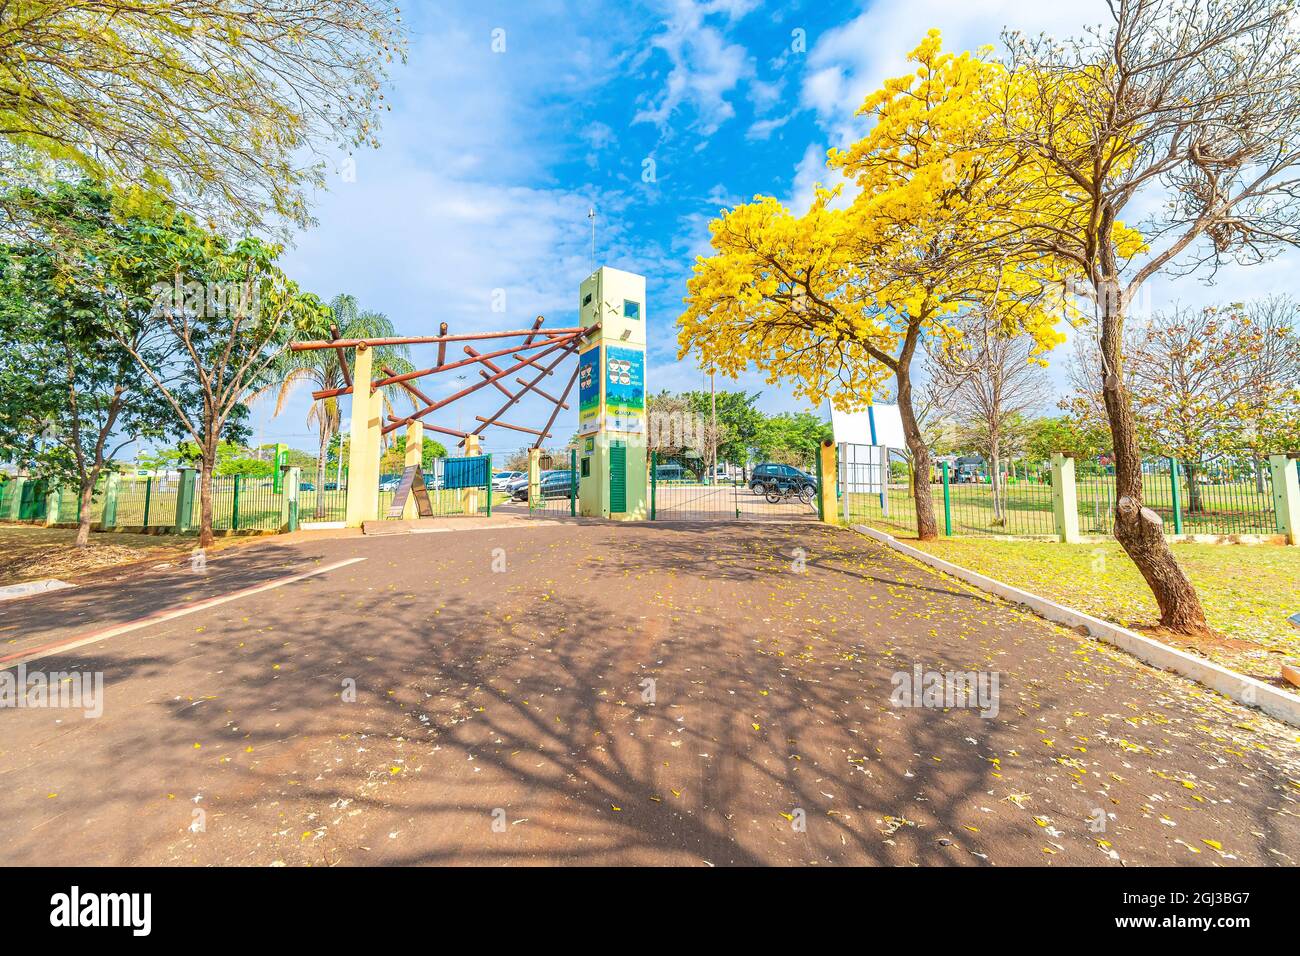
(321, 367)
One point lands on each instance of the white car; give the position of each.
(503, 478)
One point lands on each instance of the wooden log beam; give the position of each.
(315, 344)
(545, 394)
(527, 387)
(409, 376)
(568, 345)
(556, 411)
(442, 346)
(469, 350)
(518, 428)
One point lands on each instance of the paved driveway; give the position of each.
(543, 693)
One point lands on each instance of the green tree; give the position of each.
(792, 439)
(393, 461)
(223, 314)
(221, 106)
(65, 376)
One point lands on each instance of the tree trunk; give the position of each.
(1193, 489)
(1138, 529)
(205, 498)
(84, 503)
(926, 526)
(1260, 487)
(321, 465)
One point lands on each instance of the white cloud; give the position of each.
(705, 66)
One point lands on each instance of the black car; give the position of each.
(554, 484)
(783, 476)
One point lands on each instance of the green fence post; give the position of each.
(234, 504)
(487, 484)
(185, 501)
(947, 503)
(573, 482)
(108, 517)
(654, 481)
(1177, 501)
(289, 482)
(148, 494)
(16, 502)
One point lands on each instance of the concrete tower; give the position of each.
(612, 396)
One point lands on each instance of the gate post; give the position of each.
(184, 518)
(1065, 504)
(573, 482)
(1286, 496)
(534, 477)
(414, 456)
(52, 498)
(289, 498)
(469, 497)
(825, 488)
(363, 442)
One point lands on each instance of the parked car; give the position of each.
(514, 484)
(503, 478)
(783, 476)
(306, 486)
(389, 484)
(553, 484)
(671, 472)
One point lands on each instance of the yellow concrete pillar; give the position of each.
(414, 456)
(827, 482)
(363, 443)
(534, 477)
(471, 498)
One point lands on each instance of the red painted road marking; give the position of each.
(70, 643)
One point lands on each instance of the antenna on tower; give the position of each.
(591, 214)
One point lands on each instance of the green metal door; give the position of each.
(617, 477)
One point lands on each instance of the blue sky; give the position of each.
(491, 158)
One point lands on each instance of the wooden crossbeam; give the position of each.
(527, 387)
(343, 358)
(469, 350)
(556, 411)
(545, 394)
(409, 376)
(518, 428)
(568, 344)
(550, 334)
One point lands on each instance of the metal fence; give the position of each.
(456, 486)
(558, 492)
(1225, 496)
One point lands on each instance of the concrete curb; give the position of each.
(13, 592)
(1245, 690)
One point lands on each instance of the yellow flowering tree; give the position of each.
(838, 300)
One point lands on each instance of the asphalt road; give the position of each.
(680, 694)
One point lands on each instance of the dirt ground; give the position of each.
(581, 693)
(34, 552)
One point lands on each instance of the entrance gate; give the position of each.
(682, 490)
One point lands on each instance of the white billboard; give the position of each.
(874, 425)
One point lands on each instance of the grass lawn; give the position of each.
(31, 553)
(1247, 590)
